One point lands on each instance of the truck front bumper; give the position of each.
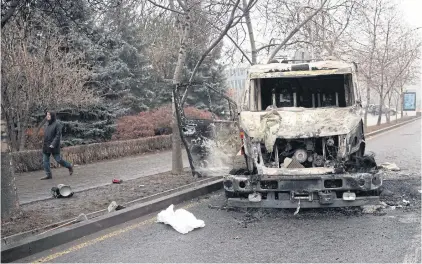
(313, 191)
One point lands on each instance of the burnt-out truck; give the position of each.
(302, 138)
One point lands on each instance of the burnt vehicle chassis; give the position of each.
(318, 182)
(305, 191)
(307, 173)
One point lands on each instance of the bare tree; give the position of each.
(365, 49)
(288, 19)
(183, 12)
(294, 31)
(38, 74)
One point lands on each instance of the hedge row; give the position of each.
(31, 160)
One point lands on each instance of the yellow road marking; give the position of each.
(102, 238)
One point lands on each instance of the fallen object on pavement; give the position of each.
(390, 166)
(62, 191)
(114, 207)
(181, 220)
(297, 209)
(370, 209)
(80, 218)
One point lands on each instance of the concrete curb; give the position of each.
(376, 132)
(39, 243)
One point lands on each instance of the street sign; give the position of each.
(409, 101)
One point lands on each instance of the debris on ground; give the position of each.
(80, 218)
(181, 220)
(370, 209)
(389, 166)
(297, 209)
(62, 191)
(114, 207)
(406, 202)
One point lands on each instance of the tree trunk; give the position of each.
(397, 107)
(12, 133)
(177, 161)
(9, 194)
(368, 97)
(401, 103)
(251, 34)
(380, 108)
(22, 136)
(387, 114)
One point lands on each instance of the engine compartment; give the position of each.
(302, 153)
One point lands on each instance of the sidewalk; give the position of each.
(31, 188)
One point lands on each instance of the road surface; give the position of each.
(314, 235)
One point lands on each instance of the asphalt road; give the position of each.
(314, 235)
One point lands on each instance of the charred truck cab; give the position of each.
(303, 139)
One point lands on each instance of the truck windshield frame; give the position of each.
(335, 90)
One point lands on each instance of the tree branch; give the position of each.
(9, 13)
(240, 49)
(293, 32)
(166, 8)
(229, 25)
(215, 43)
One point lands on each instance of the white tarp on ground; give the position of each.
(390, 166)
(181, 220)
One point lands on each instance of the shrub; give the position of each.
(31, 160)
(33, 140)
(153, 122)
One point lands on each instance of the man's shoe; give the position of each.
(71, 170)
(47, 178)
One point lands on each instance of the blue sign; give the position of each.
(409, 101)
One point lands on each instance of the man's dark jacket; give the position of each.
(52, 135)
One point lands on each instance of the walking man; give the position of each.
(51, 146)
